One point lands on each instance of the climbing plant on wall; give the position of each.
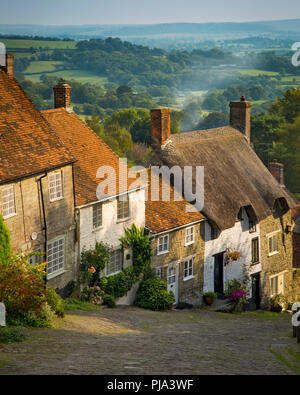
(138, 241)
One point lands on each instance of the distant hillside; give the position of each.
(288, 27)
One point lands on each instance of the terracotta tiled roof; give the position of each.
(27, 143)
(162, 216)
(90, 151)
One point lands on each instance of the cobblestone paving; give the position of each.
(128, 340)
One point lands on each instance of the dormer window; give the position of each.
(240, 215)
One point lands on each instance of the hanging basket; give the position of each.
(232, 256)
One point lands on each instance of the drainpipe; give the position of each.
(45, 222)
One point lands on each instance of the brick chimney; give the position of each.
(277, 171)
(62, 94)
(9, 66)
(160, 125)
(240, 116)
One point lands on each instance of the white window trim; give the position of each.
(118, 271)
(56, 274)
(190, 242)
(119, 220)
(278, 275)
(187, 259)
(269, 235)
(101, 226)
(15, 206)
(165, 251)
(62, 186)
(62, 270)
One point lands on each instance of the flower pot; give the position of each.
(209, 301)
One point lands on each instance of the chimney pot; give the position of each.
(62, 94)
(240, 116)
(160, 125)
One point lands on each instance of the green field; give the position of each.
(43, 66)
(25, 44)
(78, 75)
(254, 73)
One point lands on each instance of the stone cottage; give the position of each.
(98, 218)
(246, 210)
(36, 182)
(177, 242)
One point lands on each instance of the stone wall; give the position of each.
(280, 262)
(29, 220)
(189, 291)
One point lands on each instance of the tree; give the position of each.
(5, 246)
(288, 106)
(287, 151)
(214, 120)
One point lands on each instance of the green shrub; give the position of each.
(211, 295)
(22, 287)
(119, 284)
(92, 262)
(5, 246)
(55, 302)
(92, 295)
(12, 334)
(278, 303)
(109, 301)
(153, 294)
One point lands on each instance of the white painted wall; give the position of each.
(237, 238)
(111, 229)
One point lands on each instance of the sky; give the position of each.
(82, 12)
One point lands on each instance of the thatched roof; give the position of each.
(234, 175)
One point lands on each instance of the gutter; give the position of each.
(111, 197)
(153, 235)
(36, 173)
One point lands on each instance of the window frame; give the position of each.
(54, 174)
(120, 264)
(255, 262)
(96, 225)
(10, 214)
(60, 270)
(188, 268)
(121, 201)
(272, 236)
(158, 272)
(191, 235)
(163, 251)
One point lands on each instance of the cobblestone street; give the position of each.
(128, 340)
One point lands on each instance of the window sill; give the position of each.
(56, 200)
(188, 278)
(55, 274)
(119, 221)
(189, 244)
(10, 216)
(273, 253)
(255, 263)
(97, 229)
(113, 274)
(163, 252)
